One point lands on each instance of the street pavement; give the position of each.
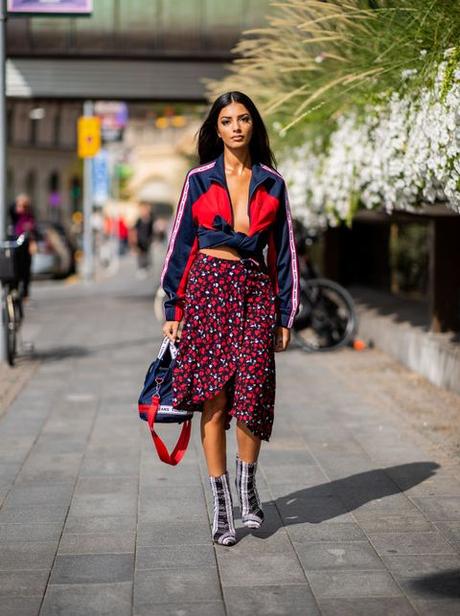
(362, 507)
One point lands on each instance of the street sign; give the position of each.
(89, 136)
(101, 178)
(50, 7)
(114, 117)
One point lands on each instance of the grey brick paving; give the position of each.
(282, 600)
(391, 606)
(359, 583)
(81, 600)
(25, 606)
(215, 608)
(96, 543)
(362, 512)
(166, 557)
(179, 585)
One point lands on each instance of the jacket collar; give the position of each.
(259, 173)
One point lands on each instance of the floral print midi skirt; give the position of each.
(228, 341)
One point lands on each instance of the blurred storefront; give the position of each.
(42, 157)
(127, 49)
(148, 58)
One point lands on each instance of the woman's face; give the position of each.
(22, 205)
(234, 126)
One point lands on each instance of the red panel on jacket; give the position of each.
(263, 210)
(213, 201)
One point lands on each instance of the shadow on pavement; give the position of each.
(335, 498)
(61, 352)
(329, 500)
(64, 352)
(445, 583)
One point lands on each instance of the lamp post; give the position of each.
(3, 350)
(2, 120)
(88, 261)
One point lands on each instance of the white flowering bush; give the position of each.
(399, 154)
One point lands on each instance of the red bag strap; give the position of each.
(180, 448)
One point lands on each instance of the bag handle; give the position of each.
(164, 345)
(180, 448)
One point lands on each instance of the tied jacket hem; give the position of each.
(204, 219)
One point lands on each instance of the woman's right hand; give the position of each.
(171, 330)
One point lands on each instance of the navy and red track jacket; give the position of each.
(204, 219)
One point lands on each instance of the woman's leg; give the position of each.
(248, 443)
(213, 436)
(252, 514)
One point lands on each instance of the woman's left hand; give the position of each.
(282, 338)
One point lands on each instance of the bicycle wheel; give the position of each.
(9, 327)
(327, 318)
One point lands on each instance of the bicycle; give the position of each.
(327, 318)
(12, 313)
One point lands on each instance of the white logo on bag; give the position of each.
(169, 409)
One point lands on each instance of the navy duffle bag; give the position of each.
(155, 403)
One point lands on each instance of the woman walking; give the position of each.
(231, 307)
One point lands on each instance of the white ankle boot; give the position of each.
(251, 509)
(223, 528)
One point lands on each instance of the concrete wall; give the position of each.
(435, 356)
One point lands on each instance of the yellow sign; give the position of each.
(89, 136)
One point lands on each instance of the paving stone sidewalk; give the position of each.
(363, 511)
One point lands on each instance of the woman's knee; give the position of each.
(215, 409)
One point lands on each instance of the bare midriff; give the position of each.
(222, 252)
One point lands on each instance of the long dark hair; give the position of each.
(209, 144)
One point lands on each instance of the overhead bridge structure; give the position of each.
(128, 49)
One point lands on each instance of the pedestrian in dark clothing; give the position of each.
(143, 230)
(23, 221)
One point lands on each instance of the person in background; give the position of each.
(160, 228)
(143, 236)
(122, 236)
(23, 221)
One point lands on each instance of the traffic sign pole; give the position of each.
(2, 119)
(3, 353)
(88, 259)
